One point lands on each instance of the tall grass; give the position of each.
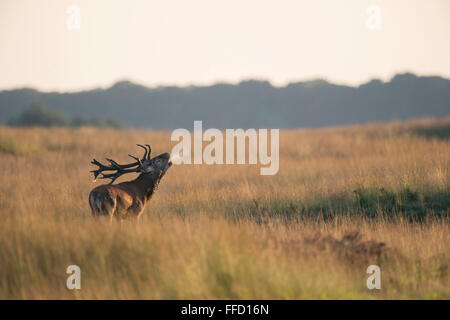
(225, 231)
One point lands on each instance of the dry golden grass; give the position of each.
(225, 231)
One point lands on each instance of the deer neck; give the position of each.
(147, 184)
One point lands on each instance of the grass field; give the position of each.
(344, 198)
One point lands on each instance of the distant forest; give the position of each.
(39, 115)
(249, 104)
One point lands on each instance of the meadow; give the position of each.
(344, 198)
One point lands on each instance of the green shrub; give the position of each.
(11, 146)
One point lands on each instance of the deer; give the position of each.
(127, 200)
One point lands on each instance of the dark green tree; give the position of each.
(38, 115)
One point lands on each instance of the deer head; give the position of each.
(153, 168)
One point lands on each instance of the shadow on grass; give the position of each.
(414, 205)
(441, 131)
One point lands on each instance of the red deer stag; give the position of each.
(127, 199)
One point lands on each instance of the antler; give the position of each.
(120, 169)
(147, 152)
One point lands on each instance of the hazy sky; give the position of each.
(182, 42)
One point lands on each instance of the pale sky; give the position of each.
(184, 42)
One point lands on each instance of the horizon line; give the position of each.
(224, 82)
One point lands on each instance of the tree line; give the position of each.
(37, 114)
